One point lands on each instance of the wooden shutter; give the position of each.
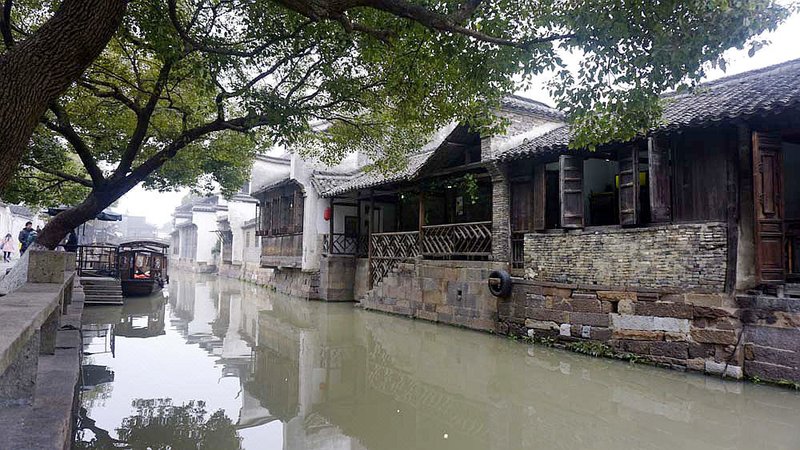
(521, 205)
(298, 211)
(629, 186)
(768, 201)
(660, 184)
(571, 188)
(539, 197)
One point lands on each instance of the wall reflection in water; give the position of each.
(285, 373)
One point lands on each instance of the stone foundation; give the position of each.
(451, 292)
(337, 274)
(677, 330)
(772, 337)
(192, 266)
(688, 257)
(294, 282)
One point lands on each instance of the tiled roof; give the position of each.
(772, 89)
(539, 108)
(20, 210)
(375, 178)
(277, 183)
(323, 181)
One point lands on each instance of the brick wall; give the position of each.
(451, 292)
(685, 331)
(294, 282)
(687, 257)
(501, 225)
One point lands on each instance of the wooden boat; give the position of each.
(142, 267)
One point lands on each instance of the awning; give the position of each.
(105, 216)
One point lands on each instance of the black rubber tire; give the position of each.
(504, 288)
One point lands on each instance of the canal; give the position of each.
(215, 363)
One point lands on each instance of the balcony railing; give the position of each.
(344, 244)
(98, 261)
(457, 241)
(452, 241)
(388, 249)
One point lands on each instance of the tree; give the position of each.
(190, 90)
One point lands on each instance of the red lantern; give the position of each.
(327, 214)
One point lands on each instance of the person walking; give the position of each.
(24, 234)
(8, 248)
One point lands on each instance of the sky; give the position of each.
(785, 46)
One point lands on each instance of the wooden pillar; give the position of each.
(330, 234)
(421, 220)
(660, 184)
(369, 237)
(358, 228)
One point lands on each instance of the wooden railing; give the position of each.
(458, 240)
(98, 261)
(345, 245)
(388, 249)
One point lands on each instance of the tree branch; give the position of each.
(5, 24)
(143, 122)
(115, 92)
(64, 128)
(62, 175)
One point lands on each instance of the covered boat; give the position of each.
(142, 267)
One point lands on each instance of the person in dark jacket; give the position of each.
(24, 234)
(72, 242)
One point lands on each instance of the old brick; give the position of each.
(709, 313)
(559, 304)
(773, 355)
(628, 346)
(625, 306)
(781, 338)
(661, 309)
(698, 364)
(593, 319)
(701, 350)
(615, 296)
(600, 333)
(535, 301)
(674, 336)
(771, 371)
(606, 307)
(541, 324)
(678, 350)
(556, 292)
(547, 314)
(711, 336)
(708, 300)
(588, 305)
(638, 335)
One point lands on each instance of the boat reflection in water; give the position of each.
(262, 370)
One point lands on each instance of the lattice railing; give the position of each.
(388, 249)
(345, 245)
(517, 250)
(457, 240)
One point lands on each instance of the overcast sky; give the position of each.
(158, 206)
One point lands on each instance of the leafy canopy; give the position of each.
(192, 90)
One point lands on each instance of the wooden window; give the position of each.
(629, 186)
(660, 186)
(571, 189)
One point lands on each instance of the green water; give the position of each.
(216, 364)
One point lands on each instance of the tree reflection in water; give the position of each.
(160, 425)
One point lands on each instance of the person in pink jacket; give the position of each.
(8, 248)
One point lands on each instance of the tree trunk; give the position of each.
(34, 72)
(68, 220)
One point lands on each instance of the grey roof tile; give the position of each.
(773, 89)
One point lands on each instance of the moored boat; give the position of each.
(142, 267)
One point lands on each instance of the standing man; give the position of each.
(24, 234)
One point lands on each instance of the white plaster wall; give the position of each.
(238, 213)
(206, 222)
(267, 170)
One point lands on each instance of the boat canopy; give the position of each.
(144, 244)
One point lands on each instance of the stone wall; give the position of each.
(685, 257)
(337, 278)
(685, 331)
(771, 337)
(294, 282)
(451, 292)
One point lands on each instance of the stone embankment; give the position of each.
(40, 353)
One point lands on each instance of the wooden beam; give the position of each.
(330, 234)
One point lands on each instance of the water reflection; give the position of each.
(284, 373)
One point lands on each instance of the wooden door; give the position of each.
(768, 201)
(539, 197)
(521, 206)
